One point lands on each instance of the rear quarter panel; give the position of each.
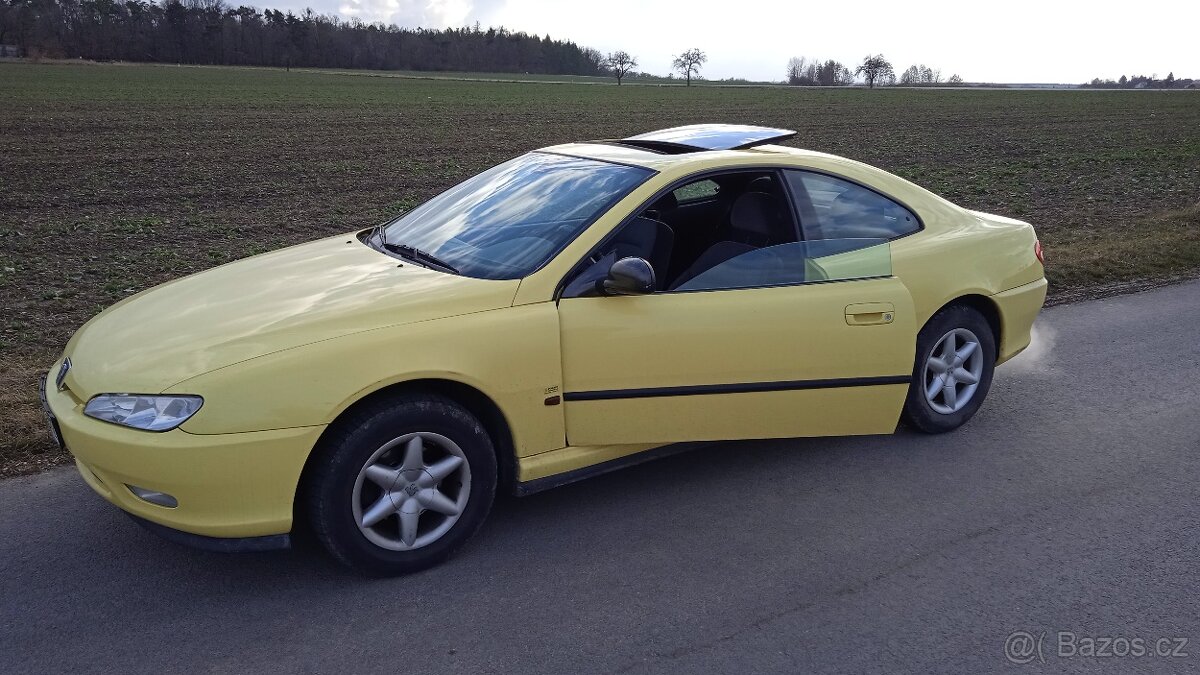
(958, 253)
(963, 255)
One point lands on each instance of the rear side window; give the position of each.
(701, 189)
(832, 208)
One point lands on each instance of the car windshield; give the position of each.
(509, 220)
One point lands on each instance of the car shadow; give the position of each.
(723, 517)
(520, 531)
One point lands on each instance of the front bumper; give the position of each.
(226, 485)
(270, 542)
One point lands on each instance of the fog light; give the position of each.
(153, 496)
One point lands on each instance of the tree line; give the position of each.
(922, 75)
(815, 72)
(1143, 82)
(214, 33)
(874, 69)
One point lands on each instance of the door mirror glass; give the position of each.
(628, 276)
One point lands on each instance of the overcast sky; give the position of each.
(1001, 41)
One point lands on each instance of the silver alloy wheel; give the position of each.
(411, 491)
(953, 369)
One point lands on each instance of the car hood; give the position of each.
(291, 297)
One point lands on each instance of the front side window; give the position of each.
(509, 220)
(744, 235)
(724, 216)
(797, 263)
(698, 191)
(832, 208)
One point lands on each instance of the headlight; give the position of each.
(152, 413)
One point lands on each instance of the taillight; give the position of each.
(1037, 250)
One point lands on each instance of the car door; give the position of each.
(768, 344)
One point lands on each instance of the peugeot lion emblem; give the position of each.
(62, 373)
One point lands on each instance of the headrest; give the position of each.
(754, 213)
(639, 233)
(764, 184)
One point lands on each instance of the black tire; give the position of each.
(353, 440)
(919, 413)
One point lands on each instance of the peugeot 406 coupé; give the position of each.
(558, 315)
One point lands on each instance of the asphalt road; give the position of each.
(1067, 504)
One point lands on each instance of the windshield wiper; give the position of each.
(416, 254)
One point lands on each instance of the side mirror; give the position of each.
(628, 276)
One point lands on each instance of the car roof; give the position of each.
(675, 162)
(693, 146)
(609, 151)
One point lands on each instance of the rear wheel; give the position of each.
(956, 356)
(402, 484)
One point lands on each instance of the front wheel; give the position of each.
(956, 356)
(401, 484)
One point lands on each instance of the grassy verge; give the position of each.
(116, 178)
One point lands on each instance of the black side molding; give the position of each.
(736, 388)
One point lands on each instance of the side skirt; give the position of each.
(557, 480)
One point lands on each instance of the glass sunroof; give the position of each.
(715, 136)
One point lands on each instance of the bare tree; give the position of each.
(620, 63)
(833, 74)
(593, 57)
(920, 74)
(815, 72)
(875, 68)
(795, 69)
(688, 64)
(955, 79)
(844, 77)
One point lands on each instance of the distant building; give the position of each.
(10, 51)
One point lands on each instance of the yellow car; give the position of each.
(569, 311)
